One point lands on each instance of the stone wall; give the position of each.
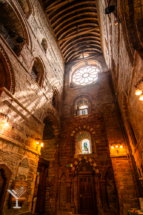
(122, 49)
(103, 123)
(27, 104)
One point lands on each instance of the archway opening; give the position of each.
(82, 107)
(11, 27)
(44, 44)
(5, 78)
(83, 143)
(25, 7)
(37, 71)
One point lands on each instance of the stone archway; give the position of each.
(5, 174)
(131, 20)
(13, 28)
(6, 72)
(26, 7)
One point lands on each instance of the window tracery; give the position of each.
(85, 75)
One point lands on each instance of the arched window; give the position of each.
(48, 130)
(55, 101)
(85, 146)
(6, 73)
(82, 107)
(11, 27)
(37, 71)
(44, 45)
(25, 5)
(83, 143)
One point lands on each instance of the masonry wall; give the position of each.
(27, 104)
(103, 124)
(123, 53)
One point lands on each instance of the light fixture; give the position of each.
(116, 145)
(6, 124)
(109, 9)
(42, 145)
(141, 97)
(4, 119)
(37, 143)
(138, 92)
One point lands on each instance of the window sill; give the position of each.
(83, 116)
(87, 155)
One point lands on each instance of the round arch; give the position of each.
(38, 71)
(11, 24)
(5, 174)
(83, 97)
(54, 118)
(131, 20)
(26, 6)
(83, 129)
(6, 72)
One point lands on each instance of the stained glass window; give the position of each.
(85, 146)
(86, 75)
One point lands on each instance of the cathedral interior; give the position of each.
(71, 107)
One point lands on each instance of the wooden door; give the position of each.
(86, 194)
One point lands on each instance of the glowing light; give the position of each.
(138, 92)
(86, 75)
(112, 147)
(121, 146)
(141, 97)
(6, 124)
(116, 146)
(42, 145)
(37, 142)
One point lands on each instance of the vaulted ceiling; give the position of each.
(76, 27)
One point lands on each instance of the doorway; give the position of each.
(86, 194)
(5, 175)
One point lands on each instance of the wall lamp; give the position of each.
(116, 146)
(4, 118)
(139, 89)
(39, 142)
